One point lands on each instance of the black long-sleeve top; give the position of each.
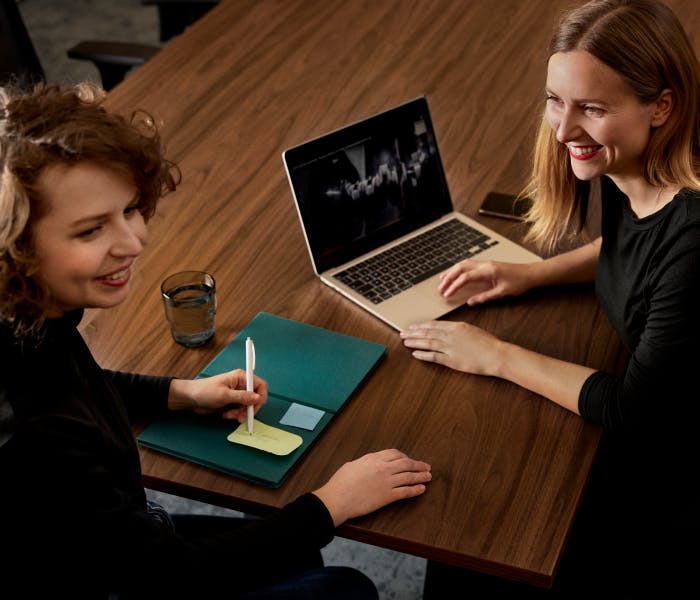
(73, 515)
(648, 282)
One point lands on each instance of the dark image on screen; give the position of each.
(367, 192)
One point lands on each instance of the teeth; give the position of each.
(582, 150)
(117, 275)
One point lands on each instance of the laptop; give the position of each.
(378, 218)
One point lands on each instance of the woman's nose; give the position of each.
(130, 239)
(567, 127)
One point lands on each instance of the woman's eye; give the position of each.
(593, 110)
(88, 232)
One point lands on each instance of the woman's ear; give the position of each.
(663, 106)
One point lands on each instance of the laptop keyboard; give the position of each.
(398, 268)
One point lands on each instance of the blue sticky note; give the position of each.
(298, 415)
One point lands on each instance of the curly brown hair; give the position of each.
(66, 125)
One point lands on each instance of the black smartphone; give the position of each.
(507, 206)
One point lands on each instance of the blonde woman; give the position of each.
(621, 120)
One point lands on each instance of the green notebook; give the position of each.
(304, 366)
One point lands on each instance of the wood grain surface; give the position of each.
(254, 77)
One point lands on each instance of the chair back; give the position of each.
(18, 58)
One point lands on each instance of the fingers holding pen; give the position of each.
(243, 398)
(225, 393)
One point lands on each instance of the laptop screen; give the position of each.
(367, 184)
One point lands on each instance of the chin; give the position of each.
(586, 174)
(107, 302)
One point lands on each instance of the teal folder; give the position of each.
(302, 364)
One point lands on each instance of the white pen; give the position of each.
(249, 368)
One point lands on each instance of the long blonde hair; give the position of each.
(644, 42)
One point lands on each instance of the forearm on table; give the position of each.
(555, 379)
(575, 266)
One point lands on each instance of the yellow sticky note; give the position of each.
(266, 438)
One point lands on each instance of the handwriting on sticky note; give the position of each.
(266, 438)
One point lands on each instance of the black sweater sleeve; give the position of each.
(656, 314)
(145, 396)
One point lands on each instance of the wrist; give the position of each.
(179, 396)
(537, 274)
(502, 361)
(333, 510)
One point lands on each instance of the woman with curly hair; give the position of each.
(78, 185)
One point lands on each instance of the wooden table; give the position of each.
(252, 78)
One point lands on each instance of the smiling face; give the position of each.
(88, 236)
(596, 115)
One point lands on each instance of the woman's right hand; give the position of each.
(481, 281)
(371, 482)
